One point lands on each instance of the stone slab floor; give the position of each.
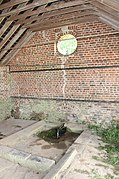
(10, 126)
(88, 163)
(84, 166)
(9, 170)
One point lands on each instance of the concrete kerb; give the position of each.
(62, 165)
(26, 159)
(25, 133)
(35, 162)
(69, 156)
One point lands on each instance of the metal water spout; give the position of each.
(60, 131)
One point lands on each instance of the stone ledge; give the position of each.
(25, 159)
(62, 165)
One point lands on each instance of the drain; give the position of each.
(58, 134)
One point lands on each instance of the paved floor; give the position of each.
(10, 126)
(9, 170)
(87, 163)
(84, 166)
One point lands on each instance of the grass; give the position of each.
(110, 136)
(47, 134)
(96, 175)
(101, 177)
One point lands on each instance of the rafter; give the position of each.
(9, 34)
(105, 14)
(104, 7)
(26, 14)
(58, 6)
(3, 29)
(21, 18)
(11, 3)
(111, 22)
(25, 38)
(29, 6)
(112, 4)
(63, 23)
(56, 18)
(9, 45)
(55, 13)
(7, 38)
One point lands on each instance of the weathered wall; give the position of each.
(73, 111)
(90, 75)
(5, 101)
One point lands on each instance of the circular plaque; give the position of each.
(67, 44)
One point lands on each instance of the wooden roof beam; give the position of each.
(9, 45)
(25, 14)
(29, 6)
(60, 5)
(64, 23)
(104, 7)
(4, 28)
(54, 13)
(107, 15)
(57, 18)
(109, 21)
(7, 25)
(113, 4)
(11, 4)
(9, 34)
(26, 37)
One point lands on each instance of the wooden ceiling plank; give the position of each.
(11, 3)
(4, 27)
(113, 4)
(104, 8)
(29, 6)
(57, 18)
(54, 13)
(7, 37)
(8, 23)
(112, 23)
(14, 39)
(60, 5)
(64, 23)
(13, 17)
(4, 11)
(110, 3)
(12, 30)
(26, 37)
(1, 19)
(25, 14)
(105, 14)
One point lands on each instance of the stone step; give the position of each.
(57, 170)
(36, 163)
(13, 139)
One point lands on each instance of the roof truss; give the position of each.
(19, 19)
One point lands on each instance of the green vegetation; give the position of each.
(96, 175)
(110, 136)
(47, 134)
(58, 134)
(102, 177)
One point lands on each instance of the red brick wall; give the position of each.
(90, 75)
(98, 46)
